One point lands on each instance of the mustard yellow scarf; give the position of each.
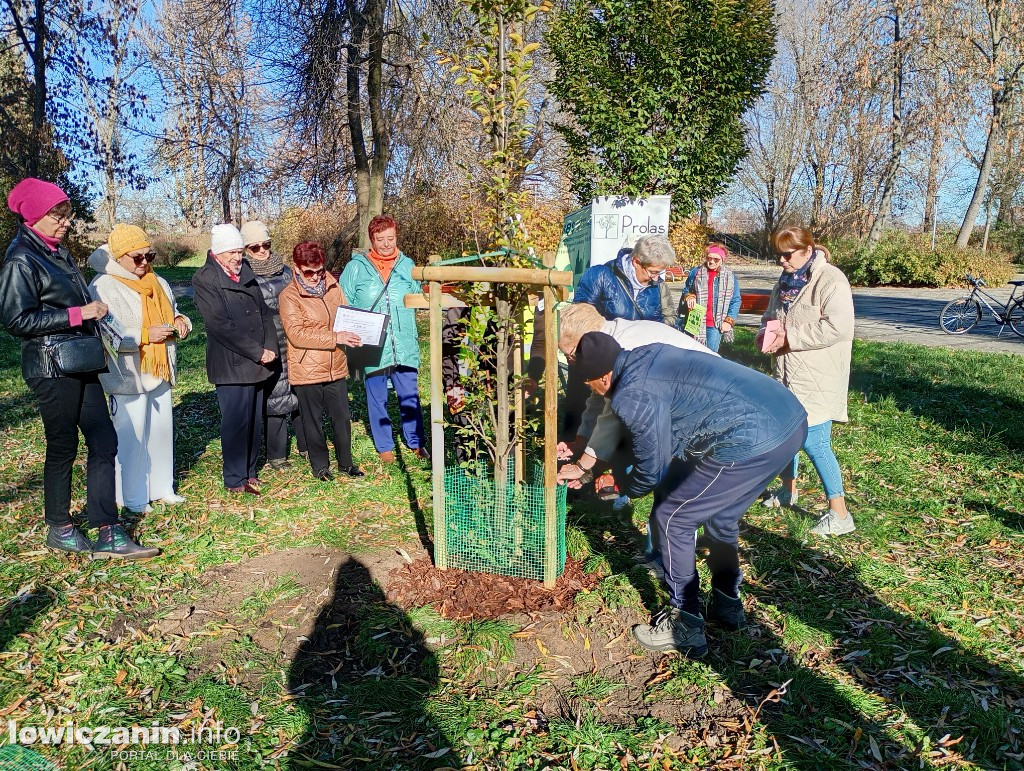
(156, 309)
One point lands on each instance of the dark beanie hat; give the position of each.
(595, 355)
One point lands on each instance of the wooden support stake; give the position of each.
(550, 432)
(437, 430)
(455, 273)
(517, 404)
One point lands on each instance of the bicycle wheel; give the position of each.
(1015, 318)
(960, 315)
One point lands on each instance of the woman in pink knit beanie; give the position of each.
(45, 303)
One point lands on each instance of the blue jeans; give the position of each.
(713, 338)
(819, 449)
(404, 379)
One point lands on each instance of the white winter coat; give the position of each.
(819, 341)
(124, 375)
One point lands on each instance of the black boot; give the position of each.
(115, 543)
(72, 542)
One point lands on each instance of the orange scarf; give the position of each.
(156, 309)
(384, 265)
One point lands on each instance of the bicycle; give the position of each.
(959, 316)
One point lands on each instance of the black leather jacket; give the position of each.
(37, 286)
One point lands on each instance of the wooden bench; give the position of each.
(755, 300)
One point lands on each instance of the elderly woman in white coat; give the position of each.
(808, 329)
(146, 320)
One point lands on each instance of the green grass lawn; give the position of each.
(897, 647)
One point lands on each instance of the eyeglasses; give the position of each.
(786, 255)
(141, 258)
(312, 273)
(65, 218)
(712, 258)
(264, 247)
(650, 273)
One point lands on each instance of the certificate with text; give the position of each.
(368, 325)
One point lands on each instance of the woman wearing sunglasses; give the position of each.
(139, 380)
(46, 304)
(273, 276)
(317, 362)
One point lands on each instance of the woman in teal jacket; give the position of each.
(379, 281)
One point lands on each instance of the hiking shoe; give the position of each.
(673, 630)
(72, 542)
(832, 524)
(115, 543)
(726, 611)
(172, 500)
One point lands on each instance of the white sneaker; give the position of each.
(172, 500)
(832, 524)
(147, 509)
(781, 498)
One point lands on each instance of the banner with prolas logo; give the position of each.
(597, 233)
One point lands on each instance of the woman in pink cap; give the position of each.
(714, 287)
(45, 303)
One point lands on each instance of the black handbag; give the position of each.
(366, 355)
(76, 354)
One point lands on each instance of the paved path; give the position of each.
(906, 315)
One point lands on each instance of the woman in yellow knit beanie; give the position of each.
(143, 326)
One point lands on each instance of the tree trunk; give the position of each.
(379, 125)
(38, 89)
(987, 162)
(360, 159)
(818, 170)
(931, 191)
(893, 166)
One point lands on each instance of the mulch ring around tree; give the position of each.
(462, 594)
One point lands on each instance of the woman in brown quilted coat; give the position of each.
(317, 365)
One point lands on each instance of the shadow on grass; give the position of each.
(16, 410)
(890, 662)
(979, 397)
(1010, 519)
(414, 504)
(196, 424)
(365, 676)
(17, 615)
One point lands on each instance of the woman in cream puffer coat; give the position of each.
(138, 381)
(813, 303)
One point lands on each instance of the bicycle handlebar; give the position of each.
(979, 281)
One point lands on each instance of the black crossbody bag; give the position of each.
(359, 358)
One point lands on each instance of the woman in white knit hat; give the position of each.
(241, 353)
(138, 381)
